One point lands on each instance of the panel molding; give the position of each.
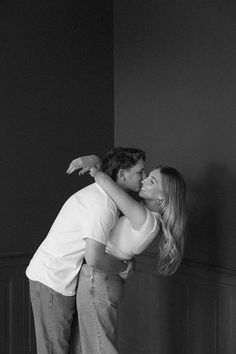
(215, 275)
(197, 297)
(196, 303)
(17, 330)
(14, 259)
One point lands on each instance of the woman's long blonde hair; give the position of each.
(172, 212)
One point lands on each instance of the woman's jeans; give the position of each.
(98, 297)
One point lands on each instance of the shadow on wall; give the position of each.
(211, 217)
(177, 314)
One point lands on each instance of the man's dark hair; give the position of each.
(121, 158)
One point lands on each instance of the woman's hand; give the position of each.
(84, 164)
(131, 264)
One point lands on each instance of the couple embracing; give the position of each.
(77, 274)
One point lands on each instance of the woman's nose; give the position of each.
(144, 181)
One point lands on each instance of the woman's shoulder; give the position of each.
(152, 213)
(151, 223)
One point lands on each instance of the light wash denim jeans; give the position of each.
(53, 317)
(98, 297)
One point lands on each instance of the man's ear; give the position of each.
(121, 175)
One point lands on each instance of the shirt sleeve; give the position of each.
(150, 225)
(148, 232)
(97, 224)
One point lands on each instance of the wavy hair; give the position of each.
(172, 212)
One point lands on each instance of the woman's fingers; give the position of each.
(75, 165)
(83, 171)
(70, 170)
(83, 163)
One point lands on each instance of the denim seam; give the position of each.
(51, 324)
(93, 306)
(109, 292)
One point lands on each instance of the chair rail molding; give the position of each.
(190, 312)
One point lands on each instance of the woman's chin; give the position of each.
(141, 193)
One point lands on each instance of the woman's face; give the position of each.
(152, 186)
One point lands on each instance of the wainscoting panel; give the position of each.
(16, 325)
(229, 321)
(191, 312)
(204, 319)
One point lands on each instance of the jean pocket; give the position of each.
(115, 290)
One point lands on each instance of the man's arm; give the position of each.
(84, 164)
(96, 257)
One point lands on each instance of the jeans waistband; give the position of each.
(86, 270)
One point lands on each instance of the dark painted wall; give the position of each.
(56, 99)
(175, 97)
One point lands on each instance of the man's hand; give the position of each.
(129, 270)
(84, 164)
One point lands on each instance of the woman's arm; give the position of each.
(96, 257)
(134, 210)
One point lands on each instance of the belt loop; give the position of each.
(92, 274)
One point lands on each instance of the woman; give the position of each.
(162, 215)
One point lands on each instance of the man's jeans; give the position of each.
(98, 297)
(53, 317)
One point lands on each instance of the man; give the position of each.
(80, 231)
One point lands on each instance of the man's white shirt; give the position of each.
(89, 213)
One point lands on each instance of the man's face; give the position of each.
(133, 176)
